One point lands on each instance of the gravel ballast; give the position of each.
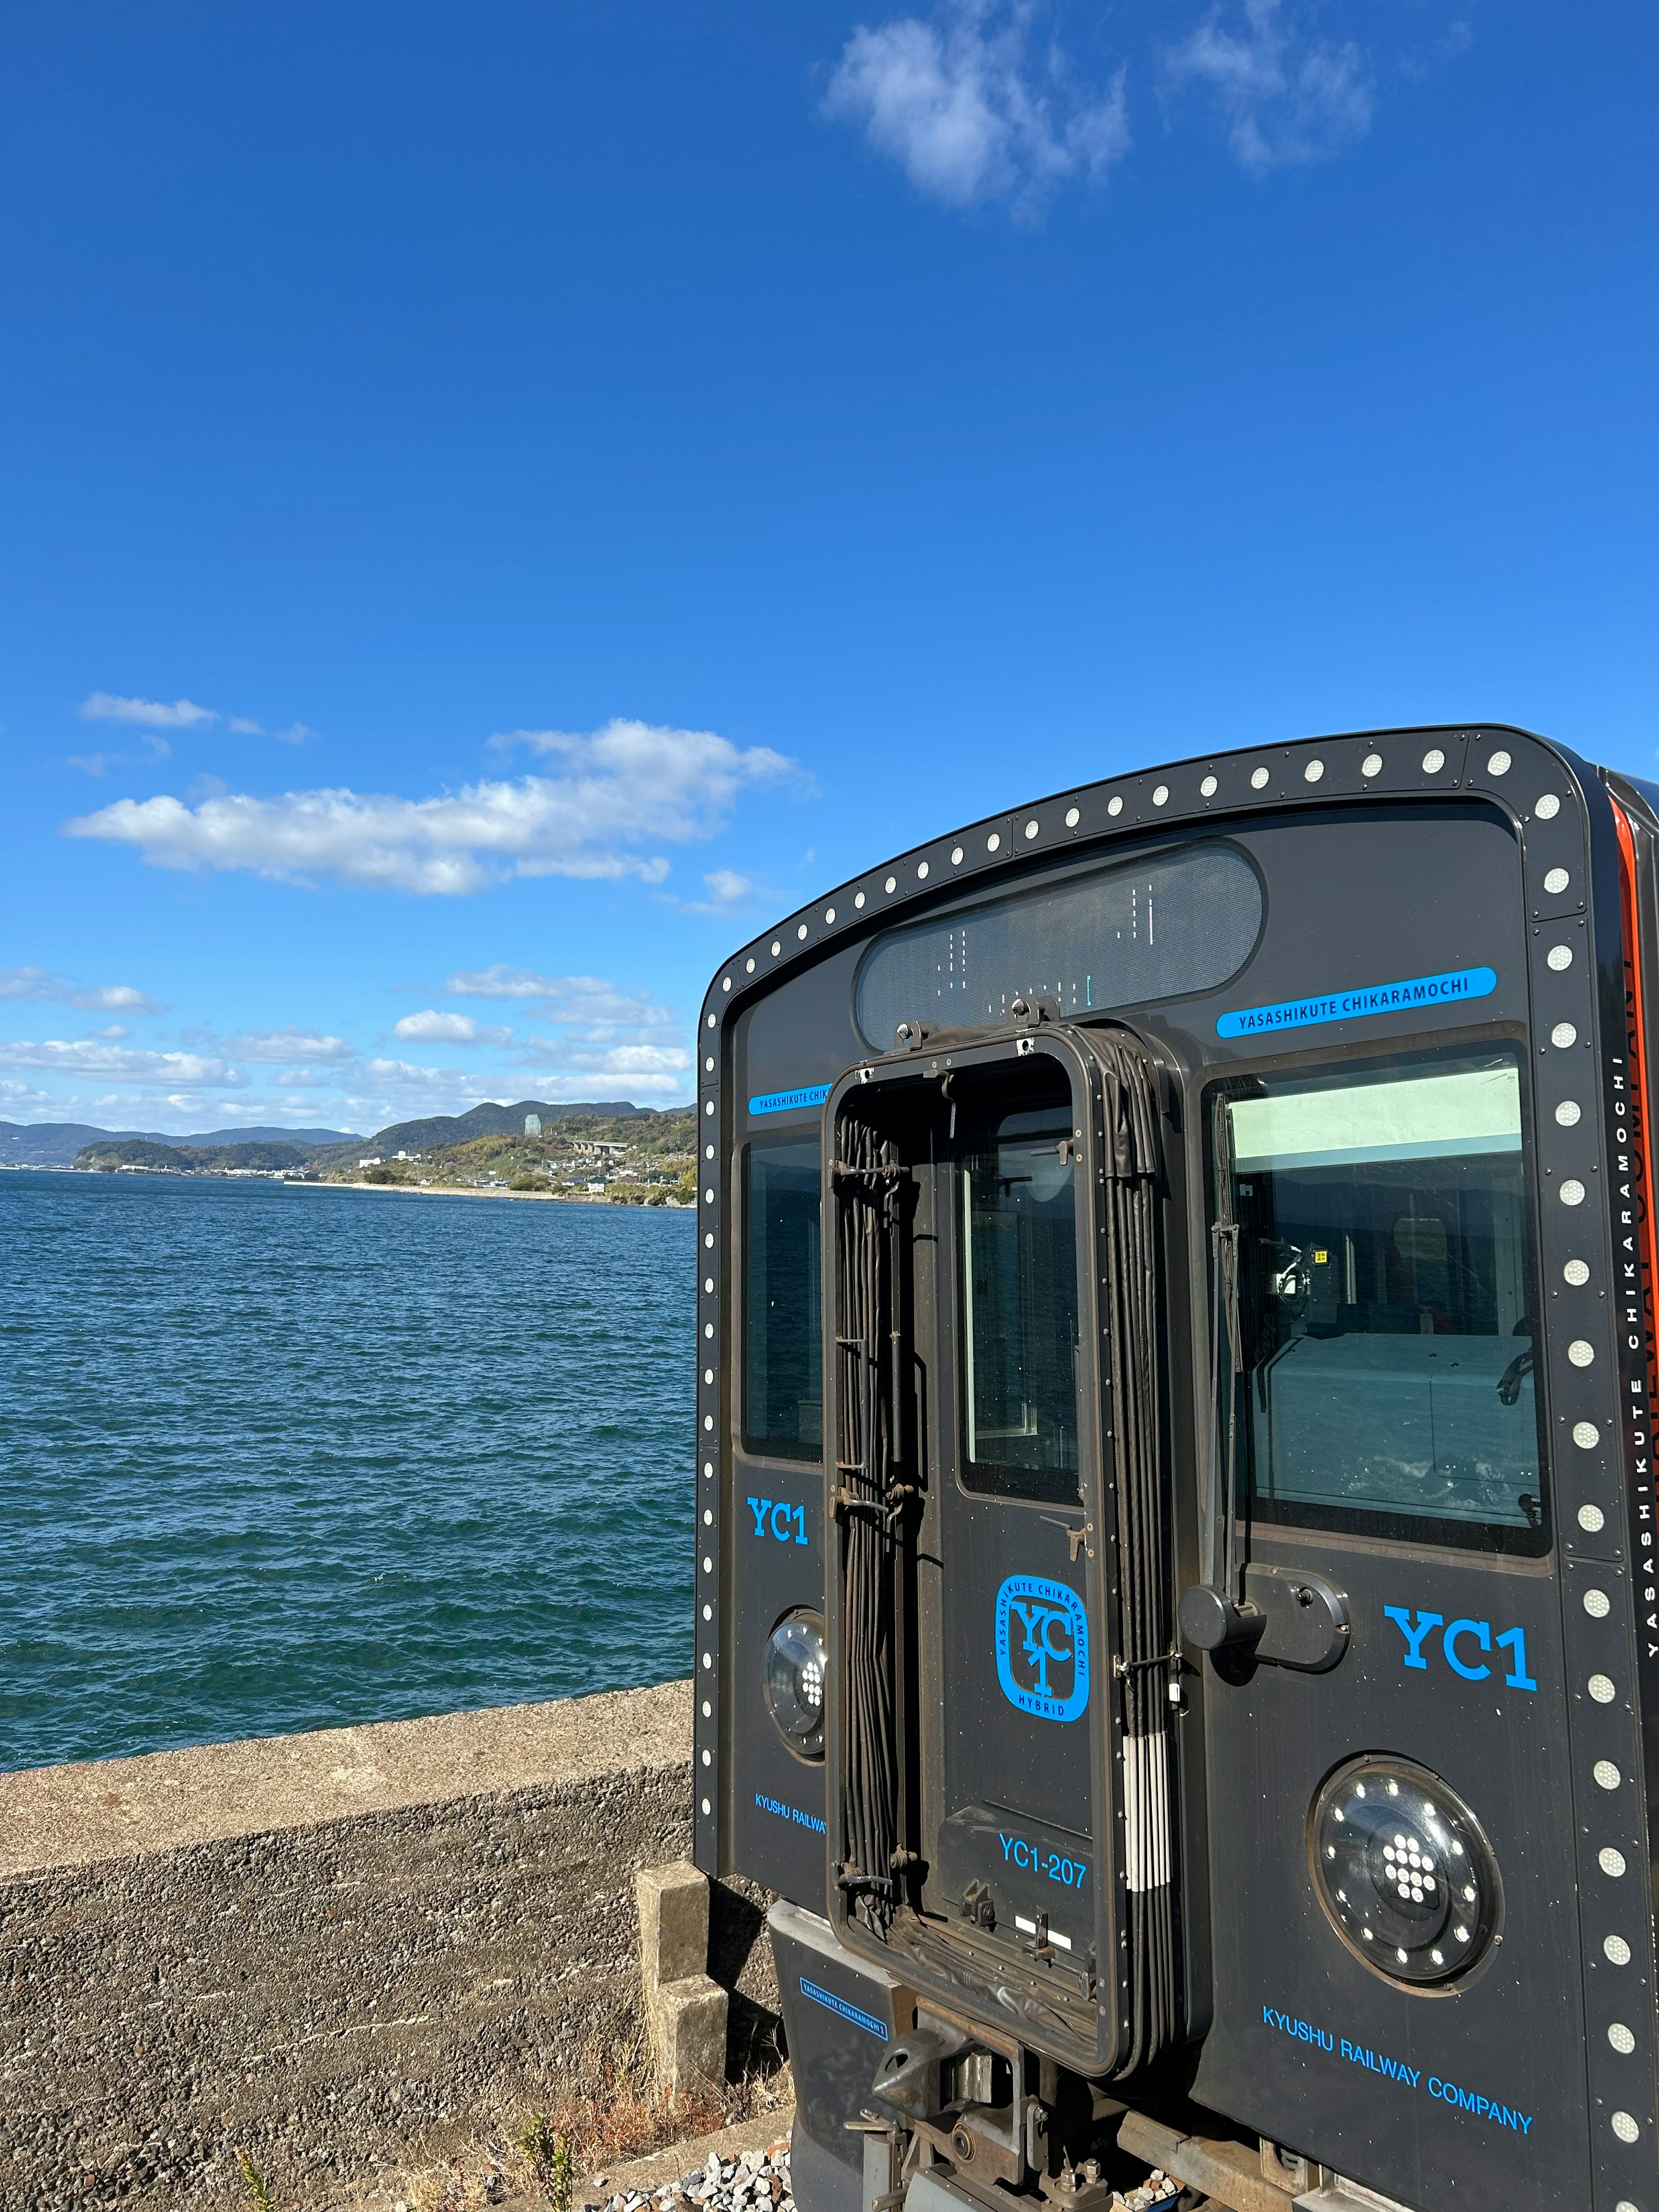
(758, 2181)
(753, 2181)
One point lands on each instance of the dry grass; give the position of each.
(628, 2114)
(612, 2109)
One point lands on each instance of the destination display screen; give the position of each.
(1122, 936)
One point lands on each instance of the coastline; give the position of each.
(376, 1189)
(459, 1190)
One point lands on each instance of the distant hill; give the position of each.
(488, 1142)
(144, 1152)
(273, 1135)
(54, 1143)
(49, 1144)
(486, 1120)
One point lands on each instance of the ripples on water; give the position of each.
(276, 1459)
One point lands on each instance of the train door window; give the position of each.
(1388, 1305)
(783, 1301)
(1017, 1227)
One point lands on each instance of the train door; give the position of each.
(1017, 1522)
(1018, 1576)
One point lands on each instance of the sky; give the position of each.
(503, 500)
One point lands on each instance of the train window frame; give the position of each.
(989, 1113)
(1512, 1543)
(754, 1444)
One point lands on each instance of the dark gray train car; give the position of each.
(1176, 1616)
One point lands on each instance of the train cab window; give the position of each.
(1387, 1306)
(1017, 1226)
(783, 1299)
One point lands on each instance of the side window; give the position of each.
(783, 1302)
(1019, 1309)
(1387, 1306)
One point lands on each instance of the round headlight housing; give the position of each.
(1404, 1870)
(796, 1662)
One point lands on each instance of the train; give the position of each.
(1177, 1627)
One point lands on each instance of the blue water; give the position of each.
(276, 1459)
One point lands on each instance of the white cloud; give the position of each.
(397, 1089)
(305, 1078)
(560, 998)
(41, 986)
(1288, 98)
(627, 785)
(726, 888)
(179, 1111)
(401, 1071)
(295, 734)
(434, 1027)
(23, 1098)
(967, 114)
(628, 1038)
(239, 726)
(182, 714)
(152, 749)
(91, 1057)
(657, 1071)
(503, 982)
(282, 1047)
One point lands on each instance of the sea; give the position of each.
(275, 1458)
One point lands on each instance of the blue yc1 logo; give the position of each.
(1042, 1648)
(776, 1518)
(1461, 1642)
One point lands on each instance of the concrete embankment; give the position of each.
(338, 1951)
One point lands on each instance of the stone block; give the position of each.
(673, 1903)
(688, 2022)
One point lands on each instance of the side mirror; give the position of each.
(1215, 1623)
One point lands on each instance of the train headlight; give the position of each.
(796, 1658)
(1403, 1870)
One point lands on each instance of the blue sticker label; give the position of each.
(1369, 998)
(1042, 1648)
(790, 1101)
(831, 2002)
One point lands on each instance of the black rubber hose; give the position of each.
(1132, 1323)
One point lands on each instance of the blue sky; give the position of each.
(503, 499)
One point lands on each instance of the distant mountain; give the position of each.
(486, 1120)
(48, 1144)
(54, 1143)
(141, 1153)
(272, 1135)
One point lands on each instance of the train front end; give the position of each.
(1176, 1616)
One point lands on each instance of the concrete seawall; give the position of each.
(337, 1951)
